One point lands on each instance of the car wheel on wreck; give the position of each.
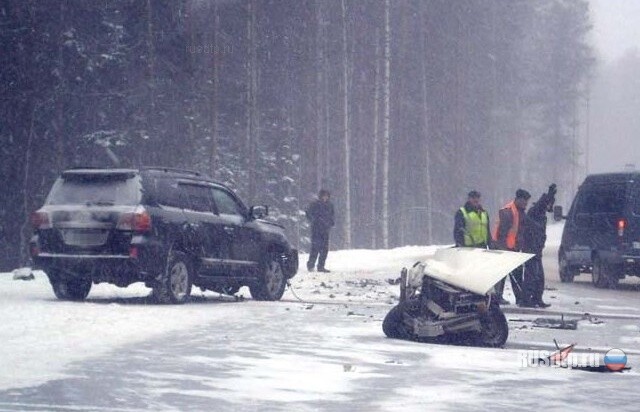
(495, 329)
(396, 324)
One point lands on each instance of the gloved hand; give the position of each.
(552, 190)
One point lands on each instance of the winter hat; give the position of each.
(474, 194)
(323, 192)
(523, 194)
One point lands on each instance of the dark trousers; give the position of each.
(516, 285)
(534, 280)
(319, 248)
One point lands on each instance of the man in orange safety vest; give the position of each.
(508, 236)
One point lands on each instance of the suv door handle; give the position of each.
(229, 229)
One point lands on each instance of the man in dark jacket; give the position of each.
(321, 215)
(471, 224)
(509, 236)
(535, 236)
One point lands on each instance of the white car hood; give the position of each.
(475, 270)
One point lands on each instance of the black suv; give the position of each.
(168, 228)
(602, 232)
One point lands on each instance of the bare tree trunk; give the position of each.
(425, 128)
(194, 79)
(374, 155)
(59, 122)
(385, 127)
(320, 95)
(346, 131)
(294, 159)
(24, 229)
(151, 71)
(327, 117)
(252, 112)
(213, 162)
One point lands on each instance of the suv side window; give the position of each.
(227, 204)
(200, 198)
(169, 193)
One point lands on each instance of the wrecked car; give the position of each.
(447, 298)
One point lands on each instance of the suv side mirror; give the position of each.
(259, 212)
(557, 213)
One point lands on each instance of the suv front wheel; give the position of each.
(272, 282)
(174, 285)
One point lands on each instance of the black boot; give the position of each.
(542, 304)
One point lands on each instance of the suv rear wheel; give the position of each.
(174, 285)
(272, 283)
(567, 273)
(76, 289)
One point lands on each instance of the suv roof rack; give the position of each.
(172, 169)
(97, 170)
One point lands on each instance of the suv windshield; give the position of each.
(99, 190)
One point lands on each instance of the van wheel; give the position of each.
(174, 285)
(605, 275)
(272, 282)
(567, 273)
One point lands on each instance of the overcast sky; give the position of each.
(614, 117)
(616, 27)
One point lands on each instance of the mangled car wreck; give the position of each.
(448, 298)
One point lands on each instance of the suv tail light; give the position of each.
(621, 226)
(138, 221)
(40, 220)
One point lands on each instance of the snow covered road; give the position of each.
(116, 352)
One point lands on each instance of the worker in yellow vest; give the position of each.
(471, 224)
(508, 235)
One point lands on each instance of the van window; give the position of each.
(603, 199)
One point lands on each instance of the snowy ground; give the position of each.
(117, 352)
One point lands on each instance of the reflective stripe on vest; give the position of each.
(475, 233)
(512, 234)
